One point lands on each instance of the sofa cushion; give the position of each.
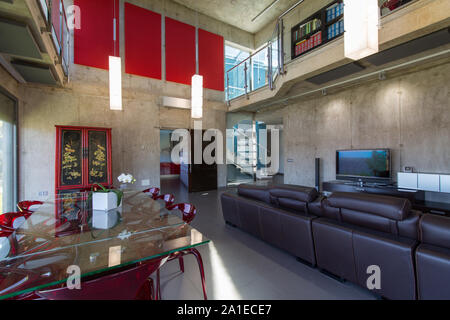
(230, 208)
(334, 248)
(295, 205)
(433, 272)
(299, 193)
(435, 230)
(315, 207)
(384, 206)
(255, 192)
(393, 255)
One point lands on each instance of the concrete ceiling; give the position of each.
(239, 13)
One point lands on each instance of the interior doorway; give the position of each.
(169, 171)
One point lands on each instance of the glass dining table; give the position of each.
(65, 232)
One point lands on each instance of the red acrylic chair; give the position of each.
(153, 192)
(188, 211)
(169, 199)
(131, 284)
(28, 206)
(13, 220)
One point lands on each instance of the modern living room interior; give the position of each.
(327, 123)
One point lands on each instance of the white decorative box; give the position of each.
(105, 219)
(445, 183)
(428, 182)
(104, 201)
(407, 180)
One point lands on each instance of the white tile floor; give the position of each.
(240, 266)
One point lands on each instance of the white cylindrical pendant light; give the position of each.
(197, 97)
(361, 20)
(115, 83)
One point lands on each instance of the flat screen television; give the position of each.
(370, 164)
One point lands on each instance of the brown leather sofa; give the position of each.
(279, 215)
(433, 258)
(347, 233)
(356, 231)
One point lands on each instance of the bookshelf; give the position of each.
(321, 27)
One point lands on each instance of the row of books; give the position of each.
(335, 11)
(307, 28)
(306, 45)
(335, 29)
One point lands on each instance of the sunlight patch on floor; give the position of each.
(222, 283)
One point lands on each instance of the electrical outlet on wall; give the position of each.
(43, 193)
(145, 182)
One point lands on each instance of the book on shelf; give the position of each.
(335, 11)
(307, 28)
(306, 45)
(336, 29)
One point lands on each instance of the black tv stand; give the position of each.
(366, 184)
(417, 197)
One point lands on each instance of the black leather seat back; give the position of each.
(260, 193)
(433, 258)
(435, 230)
(250, 211)
(380, 213)
(293, 197)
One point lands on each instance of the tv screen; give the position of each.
(364, 163)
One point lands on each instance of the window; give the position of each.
(236, 77)
(8, 175)
(260, 65)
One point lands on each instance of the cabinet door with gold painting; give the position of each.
(71, 158)
(98, 158)
(83, 158)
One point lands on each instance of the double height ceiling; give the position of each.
(250, 16)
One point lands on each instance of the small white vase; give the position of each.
(104, 201)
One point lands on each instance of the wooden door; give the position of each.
(199, 177)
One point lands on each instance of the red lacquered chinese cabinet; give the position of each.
(83, 158)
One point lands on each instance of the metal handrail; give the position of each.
(249, 57)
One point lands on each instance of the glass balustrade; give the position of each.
(246, 73)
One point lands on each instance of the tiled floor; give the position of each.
(240, 266)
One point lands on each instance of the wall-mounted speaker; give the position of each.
(317, 173)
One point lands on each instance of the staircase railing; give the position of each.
(247, 157)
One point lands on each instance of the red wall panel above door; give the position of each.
(94, 42)
(180, 51)
(211, 59)
(142, 42)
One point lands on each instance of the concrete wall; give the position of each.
(84, 101)
(409, 114)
